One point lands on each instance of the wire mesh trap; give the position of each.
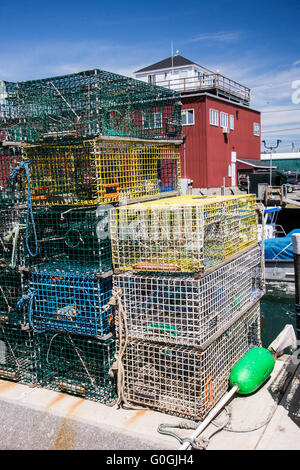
(12, 189)
(187, 311)
(17, 354)
(13, 284)
(97, 172)
(77, 365)
(12, 230)
(70, 302)
(71, 240)
(183, 381)
(182, 234)
(87, 104)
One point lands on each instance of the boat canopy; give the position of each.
(281, 248)
(268, 210)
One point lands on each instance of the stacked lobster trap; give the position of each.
(102, 171)
(17, 352)
(72, 146)
(85, 105)
(189, 269)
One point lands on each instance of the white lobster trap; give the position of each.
(188, 311)
(185, 381)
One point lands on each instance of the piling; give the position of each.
(296, 251)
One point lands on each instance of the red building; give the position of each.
(218, 134)
(219, 127)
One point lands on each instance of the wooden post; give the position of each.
(296, 251)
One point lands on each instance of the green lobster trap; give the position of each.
(70, 240)
(17, 354)
(62, 239)
(13, 284)
(77, 365)
(185, 381)
(87, 104)
(95, 172)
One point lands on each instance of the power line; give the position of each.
(281, 110)
(275, 131)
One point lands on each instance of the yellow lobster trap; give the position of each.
(95, 172)
(182, 234)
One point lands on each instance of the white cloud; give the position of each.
(280, 118)
(57, 58)
(220, 36)
(271, 91)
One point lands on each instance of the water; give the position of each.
(277, 309)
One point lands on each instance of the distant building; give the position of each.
(283, 161)
(218, 124)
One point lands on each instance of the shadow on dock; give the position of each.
(285, 390)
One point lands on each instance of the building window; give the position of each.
(231, 122)
(152, 120)
(200, 74)
(213, 117)
(224, 119)
(256, 128)
(152, 79)
(187, 117)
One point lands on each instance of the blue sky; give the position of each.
(255, 43)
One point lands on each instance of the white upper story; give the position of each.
(183, 75)
(172, 71)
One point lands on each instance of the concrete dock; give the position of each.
(36, 418)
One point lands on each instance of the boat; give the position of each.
(271, 228)
(279, 258)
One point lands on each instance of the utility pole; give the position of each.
(271, 148)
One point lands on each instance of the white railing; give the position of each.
(207, 82)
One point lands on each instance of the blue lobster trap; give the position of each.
(71, 303)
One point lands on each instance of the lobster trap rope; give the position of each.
(118, 365)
